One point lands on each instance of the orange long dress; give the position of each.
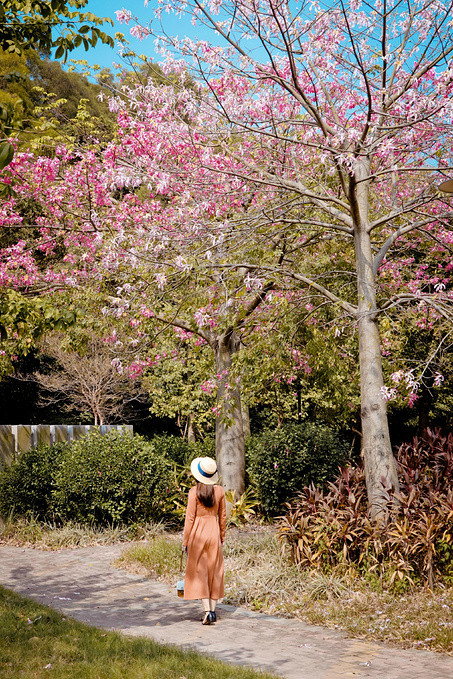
(204, 534)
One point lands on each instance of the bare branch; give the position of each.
(394, 236)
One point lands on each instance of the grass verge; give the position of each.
(259, 577)
(40, 642)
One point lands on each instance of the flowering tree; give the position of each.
(296, 165)
(334, 124)
(129, 248)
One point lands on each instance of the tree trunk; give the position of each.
(245, 420)
(380, 465)
(424, 405)
(190, 429)
(230, 451)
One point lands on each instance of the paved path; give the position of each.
(83, 584)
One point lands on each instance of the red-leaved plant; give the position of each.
(414, 542)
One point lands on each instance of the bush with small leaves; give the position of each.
(281, 462)
(111, 479)
(27, 485)
(100, 480)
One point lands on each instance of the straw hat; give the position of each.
(204, 469)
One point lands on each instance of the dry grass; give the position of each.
(259, 577)
(31, 533)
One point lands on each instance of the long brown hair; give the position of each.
(206, 494)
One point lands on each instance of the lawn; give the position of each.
(37, 641)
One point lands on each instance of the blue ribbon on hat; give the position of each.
(207, 476)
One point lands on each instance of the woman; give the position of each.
(204, 534)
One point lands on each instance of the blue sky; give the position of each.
(105, 56)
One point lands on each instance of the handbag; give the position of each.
(180, 583)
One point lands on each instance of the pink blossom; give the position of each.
(123, 15)
(438, 379)
(208, 387)
(139, 32)
(413, 397)
(388, 394)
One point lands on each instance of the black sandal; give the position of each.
(213, 616)
(207, 618)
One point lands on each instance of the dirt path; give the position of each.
(84, 585)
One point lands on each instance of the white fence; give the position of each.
(17, 438)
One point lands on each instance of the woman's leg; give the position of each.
(212, 605)
(206, 620)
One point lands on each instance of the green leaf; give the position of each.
(59, 53)
(6, 154)
(6, 191)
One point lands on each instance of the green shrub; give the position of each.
(281, 463)
(115, 478)
(102, 480)
(26, 486)
(181, 451)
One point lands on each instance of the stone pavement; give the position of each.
(83, 584)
